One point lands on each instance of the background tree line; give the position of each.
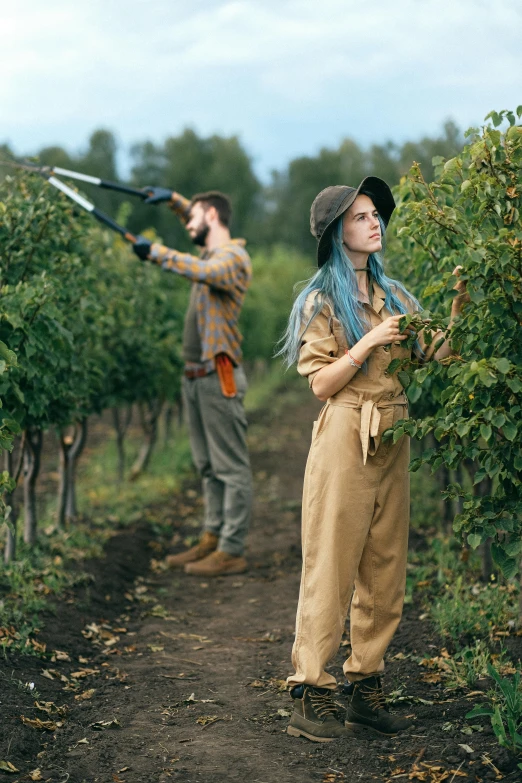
(267, 214)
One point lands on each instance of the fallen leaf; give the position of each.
(123, 769)
(432, 677)
(283, 713)
(467, 748)
(81, 659)
(38, 646)
(60, 655)
(84, 673)
(41, 725)
(50, 708)
(203, 720)
(36, 775)
(47, 673)
(181, 676)
(6, 766)
(156, 647)
(85, 695)
(111, 641)
(99, 725)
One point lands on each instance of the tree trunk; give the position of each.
(447, 504)
(10, 541)
(80, 439)
(488, 567)
(71, 447)
(32, 455)
(65, 445)
(458, 480)
(168, 416)
(149, 414)
(519, 622)
(483, 489)
(121, 421)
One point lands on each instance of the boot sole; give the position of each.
(300, 733)
(358, 729)
(229, 571)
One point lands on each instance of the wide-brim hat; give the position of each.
(331, 202)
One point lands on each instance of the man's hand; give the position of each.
(142, 247)
(157, 195)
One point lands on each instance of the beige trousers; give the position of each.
(354, 537)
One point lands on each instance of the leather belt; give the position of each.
(196, 372)
(370, 420)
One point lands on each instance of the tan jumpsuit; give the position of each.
(355, 509)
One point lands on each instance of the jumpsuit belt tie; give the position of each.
(370, 420)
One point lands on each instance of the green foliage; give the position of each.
(290, 194)
(469, 216)
(137, 325)
(191, 164)
(469, 665)
(44, 282)
(269, 299)
(504, 711)
(464, 611)
(267, 215)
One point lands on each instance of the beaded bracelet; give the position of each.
(353, 361)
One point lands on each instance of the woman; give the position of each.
(344, 332)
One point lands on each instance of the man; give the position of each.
(214, 383)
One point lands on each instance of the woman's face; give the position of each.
(361, 228)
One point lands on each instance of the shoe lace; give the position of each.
(374, 697)
(323, 704)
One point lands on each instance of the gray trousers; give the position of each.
(217, 430)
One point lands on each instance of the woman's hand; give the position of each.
(462, 293)
(387, 332)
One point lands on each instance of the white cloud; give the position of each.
(279, 73)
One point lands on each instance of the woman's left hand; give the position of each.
(462, 292)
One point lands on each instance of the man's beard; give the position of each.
(200, 236)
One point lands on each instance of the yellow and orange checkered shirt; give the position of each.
(222, 276)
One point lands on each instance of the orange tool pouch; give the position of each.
(225, 371)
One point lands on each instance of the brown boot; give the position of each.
(217, 564)
(368, 713)
(207, 544)
(315, 715)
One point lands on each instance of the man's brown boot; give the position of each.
(218, 563)
(367, 712)
(207, 544)
(315, 715)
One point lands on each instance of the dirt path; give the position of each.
(193, 671)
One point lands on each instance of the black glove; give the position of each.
(142, 247)
(157, 195)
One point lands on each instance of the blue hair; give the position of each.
(336, 282)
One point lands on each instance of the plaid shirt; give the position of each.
(222, 276)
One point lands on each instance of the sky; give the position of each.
(286, 76)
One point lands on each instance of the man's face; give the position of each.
(197, 225)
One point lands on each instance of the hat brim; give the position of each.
(379, 192)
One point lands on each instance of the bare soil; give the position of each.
(165, 676)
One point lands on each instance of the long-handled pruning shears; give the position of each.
(49, 173)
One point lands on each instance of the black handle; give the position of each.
(123, 188)
(108, 221)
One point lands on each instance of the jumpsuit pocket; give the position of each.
(320, 423)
